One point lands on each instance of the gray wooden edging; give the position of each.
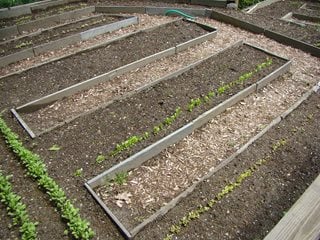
(139, 158)
(313, 50)
(259, 5)
(310, 6)
(306, 17)
(44, 22)
(25, 9)
(63, 42)
(44, 101)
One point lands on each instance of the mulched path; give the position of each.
(252, 210)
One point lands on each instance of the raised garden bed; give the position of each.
(29, 23)
(135, 52)
(307, 15)
(203, 95)
(267, 20)
(40, 13)
(59, 37)
(25, 9)
(253, 189)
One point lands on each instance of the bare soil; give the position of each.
(52, 34)
(83, 66)
(40, 14)
(254, 208)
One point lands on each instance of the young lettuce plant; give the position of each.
(36, 168)
(16, 209)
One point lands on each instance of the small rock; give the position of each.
(232, 6)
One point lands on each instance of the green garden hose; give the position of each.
(173, 11)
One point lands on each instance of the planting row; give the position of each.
(16, 209)
(79, 228)
(237, 201)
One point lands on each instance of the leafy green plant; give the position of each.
(36, 168)
(278, 144)
(194, 103)
(78, 172)
(100, 158)
(23, 44)
(247, 3)
(16, 209)
(11, 3)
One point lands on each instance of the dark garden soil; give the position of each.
(55, 33)
(49, 78)
(253, 209)
(269, 18)
(40, 14)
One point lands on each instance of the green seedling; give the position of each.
(278, 144)
(194, 103)
(78, 172)
(100, 158)
(54, 148)
(23, 44)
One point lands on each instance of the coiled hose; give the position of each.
(178, 12)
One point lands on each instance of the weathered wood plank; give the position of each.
(302, 222)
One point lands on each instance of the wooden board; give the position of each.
(302, 222)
